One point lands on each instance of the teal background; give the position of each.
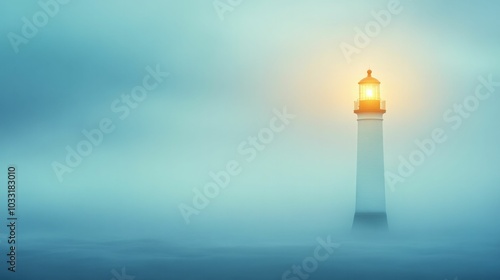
(226, 78)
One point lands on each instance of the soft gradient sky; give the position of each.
(226, 77)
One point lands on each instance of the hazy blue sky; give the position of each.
(226, 78)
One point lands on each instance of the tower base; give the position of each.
(370, 222)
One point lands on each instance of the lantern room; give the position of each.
(369, 88)
(369, 96)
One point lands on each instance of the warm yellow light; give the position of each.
(369, 93)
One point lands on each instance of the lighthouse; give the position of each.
(370, 183)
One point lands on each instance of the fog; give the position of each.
(139, 198)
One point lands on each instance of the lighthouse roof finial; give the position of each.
(369, 79)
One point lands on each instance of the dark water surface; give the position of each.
(356, 258)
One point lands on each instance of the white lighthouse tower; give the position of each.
(370, 184)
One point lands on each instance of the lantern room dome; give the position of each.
(369, 79)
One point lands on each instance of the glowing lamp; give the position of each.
(369, 96)
(369, 93)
